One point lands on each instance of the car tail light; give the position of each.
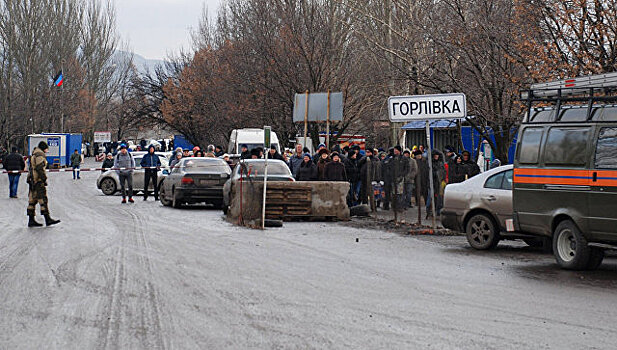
(187, 181)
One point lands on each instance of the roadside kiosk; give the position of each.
(61, 146)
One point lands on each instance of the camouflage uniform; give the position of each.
(37, 179)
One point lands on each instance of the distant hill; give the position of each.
(141, 63)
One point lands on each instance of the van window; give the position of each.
(574, 115)
(606, 149)
(547, 115)
(530, 145)
(566, 146)
(605, 114)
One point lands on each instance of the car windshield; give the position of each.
(257, 169)
(196, 165)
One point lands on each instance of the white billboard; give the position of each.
(102, 136)
(423, 107)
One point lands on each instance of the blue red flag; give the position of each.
(58, 79)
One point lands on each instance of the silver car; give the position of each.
(254, 169)
(482, 208)
(109, 182)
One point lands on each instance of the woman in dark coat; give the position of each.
(335, 170)
(307, 171)
(323, 160)
(457, 171)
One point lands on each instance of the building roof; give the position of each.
(437, 123)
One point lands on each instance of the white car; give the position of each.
(109, 181)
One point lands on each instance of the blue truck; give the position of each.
(182, 142)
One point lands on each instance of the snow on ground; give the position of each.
(146, 276)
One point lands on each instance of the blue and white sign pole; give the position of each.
(427, 107)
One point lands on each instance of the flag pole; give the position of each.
(62, 97)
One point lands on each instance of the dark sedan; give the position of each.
(195, 180)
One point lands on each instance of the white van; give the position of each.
(253, 138)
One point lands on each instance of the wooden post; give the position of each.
(306, 117)
(328, 123)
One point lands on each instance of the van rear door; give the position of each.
(603, 195)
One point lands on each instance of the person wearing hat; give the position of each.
(14, 162)
(439, 176)
(255, 153)
(244, 152)
(421, 182)
(37, 179)
(352, 172)
(410, 178)
(152, 163)
(386, 176)
(185, 153)
(75, 164)
(317, 155)
(218, 151)
(471, 167)
(323, 158)
(335, 170)
(399, 169)
(124, 164)
(367, 166)
(307, 170)
(274, 154)
(108, 163)
(450, 160)
(227, 159)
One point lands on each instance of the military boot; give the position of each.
(49, 221)
(32, 222)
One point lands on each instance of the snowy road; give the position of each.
(145, 276)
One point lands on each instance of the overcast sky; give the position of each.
(155, 27)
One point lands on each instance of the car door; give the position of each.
(173, 178)
(496, 196)
(603, 194)
(138, 175)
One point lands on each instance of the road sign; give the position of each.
(102, 136)
(318, 107)
(267, 138)
(423, 107)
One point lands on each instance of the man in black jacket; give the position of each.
(14, 163)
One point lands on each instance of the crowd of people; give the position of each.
(389, 179)
(394, 177)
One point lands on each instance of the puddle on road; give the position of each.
(532, 263)
(604, 277)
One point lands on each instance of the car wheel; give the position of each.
(570, 247)
(175, 200)
(108, 186)
(163, 196)
(596, 255)
(481, 232)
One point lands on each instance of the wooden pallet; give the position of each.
(285, 202)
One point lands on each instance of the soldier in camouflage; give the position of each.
(37, 180)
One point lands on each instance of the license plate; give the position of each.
(208, 182)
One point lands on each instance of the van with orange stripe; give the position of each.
(565, 172)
